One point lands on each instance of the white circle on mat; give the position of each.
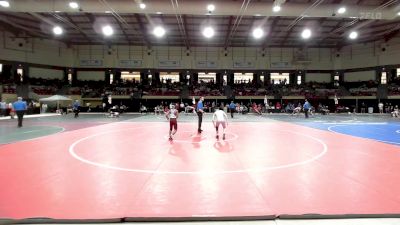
(208, 172)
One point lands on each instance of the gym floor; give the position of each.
(268, 167)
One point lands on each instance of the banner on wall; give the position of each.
(206, 64)
(280, 65)
(242, 64)
(130, 63)
(91, 62)
(169, 63)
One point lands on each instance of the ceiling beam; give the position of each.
(29, 31)
(251, 24)
(226, 42)
(289, 32)
(123, 31)
(77, 27)
(271, 31)
(292, 45)
(143, 30)
(338, 25)
(188, 7)
(90, 17)
(92, 20)
(221, 27)
(391, 35)
(185, 26)
(385, 24)
(8, 28)
(19, 16)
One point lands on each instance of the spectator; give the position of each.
(380, 107)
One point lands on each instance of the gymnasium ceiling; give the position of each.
(233, 21)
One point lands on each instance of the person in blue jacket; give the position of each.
(200, 111)
(20, 108)
(75, 107)
(232, 108)
(306, 107)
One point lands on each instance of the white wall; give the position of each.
(359, 76)
(46, 73)
(91, 75)
(318, 77)
(39, 51)
(319, 58)
(51, 52)
(369, 55)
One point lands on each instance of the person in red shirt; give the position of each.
(256, 109)
(172, 116)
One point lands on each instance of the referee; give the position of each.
(200, 111)
(306, 107)
(232, 108)
(20, 108)
(76, 107)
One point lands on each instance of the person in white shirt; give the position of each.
(380, 106)
(336, 100)
(172, 116)
(395, 112)
(220, 118)
(156, 110)
(297, 110)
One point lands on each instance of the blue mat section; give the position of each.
(387, 132)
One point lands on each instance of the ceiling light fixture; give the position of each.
(57, 30)
(276, 8)
(208, 32)
(353, 35)
(306, 34)
(73, 5)
(142, 5)
(258, 33)
(4, 4)
(341, 10)
(159, 31)
(107, 30)
(210, 8)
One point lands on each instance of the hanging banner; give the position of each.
(90, 62)
(242, 64)
(130, 63)
(280, 65)
(206, 64)
(169, 63)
